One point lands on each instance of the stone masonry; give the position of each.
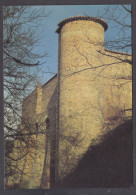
(93, 87)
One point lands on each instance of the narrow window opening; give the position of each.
(36, 127)
(47, 121)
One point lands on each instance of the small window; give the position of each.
(47, 121)
(36, 127)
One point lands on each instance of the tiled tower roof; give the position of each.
(70, 19)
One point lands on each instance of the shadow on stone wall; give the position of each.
(107, 164)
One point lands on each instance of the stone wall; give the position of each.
(92, 88)
(37, 107)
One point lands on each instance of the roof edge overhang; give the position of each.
(88, 18)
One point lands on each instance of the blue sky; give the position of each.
(49, 39)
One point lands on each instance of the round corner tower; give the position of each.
(80, 40)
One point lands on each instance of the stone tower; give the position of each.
(84, 88)
(90, 95)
